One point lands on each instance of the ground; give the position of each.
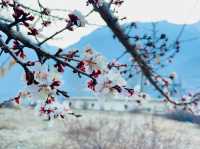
(21, 128)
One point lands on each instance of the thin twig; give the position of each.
(52, 36)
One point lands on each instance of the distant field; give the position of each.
(22, 129)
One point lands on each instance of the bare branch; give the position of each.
(52, 36)
(113, 24)
(34, 46)
(5, 48)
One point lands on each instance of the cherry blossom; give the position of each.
(109, 81)
(97, 3)
(51, 109)
(45, 92)
(77, 18)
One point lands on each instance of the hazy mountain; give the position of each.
(187, 63)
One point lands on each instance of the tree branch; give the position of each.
(41, 53)
(113, 24)
(52, 36)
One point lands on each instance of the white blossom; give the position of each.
(94, 61)
(81, 19)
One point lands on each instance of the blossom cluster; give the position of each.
(77, 18)
(97, 3)
(44, 92)
(22, 16)
(108, 82)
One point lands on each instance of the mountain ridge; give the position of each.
(101, 39)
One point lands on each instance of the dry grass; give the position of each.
(104, 134)
(95, 130)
